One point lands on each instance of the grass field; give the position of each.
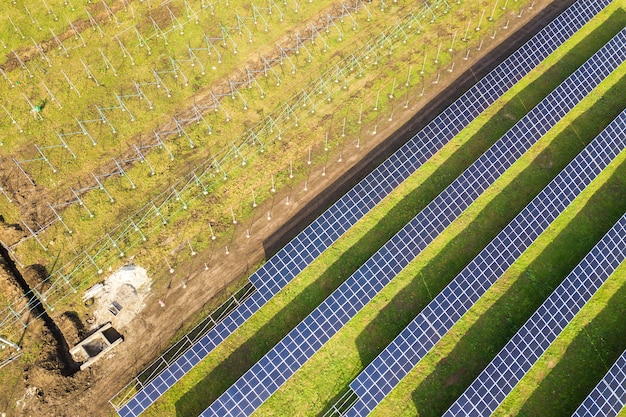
(206, 145)
(259, 334)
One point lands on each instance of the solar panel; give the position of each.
(383, 374)
(264, 378)
(331, 224)
(608, 398)
(499, 378)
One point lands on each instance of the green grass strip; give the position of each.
(229, 360)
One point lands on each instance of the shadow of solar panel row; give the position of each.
(490, 388)
(608, 398)
(383, 374)
(264, 378)
(329, 226)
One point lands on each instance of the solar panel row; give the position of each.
(294, 257)
(256, 385)
(379, 378)
(486, 393)
(608, 398)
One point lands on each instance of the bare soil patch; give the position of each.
(119, 298)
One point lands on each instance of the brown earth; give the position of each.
(42, 391)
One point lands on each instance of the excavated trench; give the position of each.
(69, 365)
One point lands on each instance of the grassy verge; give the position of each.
(372, 329)
(21, 24)
(254, 338)
(91, 158)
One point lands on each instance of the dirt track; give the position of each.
(87, 393)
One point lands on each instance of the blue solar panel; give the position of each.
(608, 398)
(318, 236)
(256, 385)
(416, 340)
(530, 342)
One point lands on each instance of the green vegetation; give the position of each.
(24, 23)
(120, 145)
(586, 347)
